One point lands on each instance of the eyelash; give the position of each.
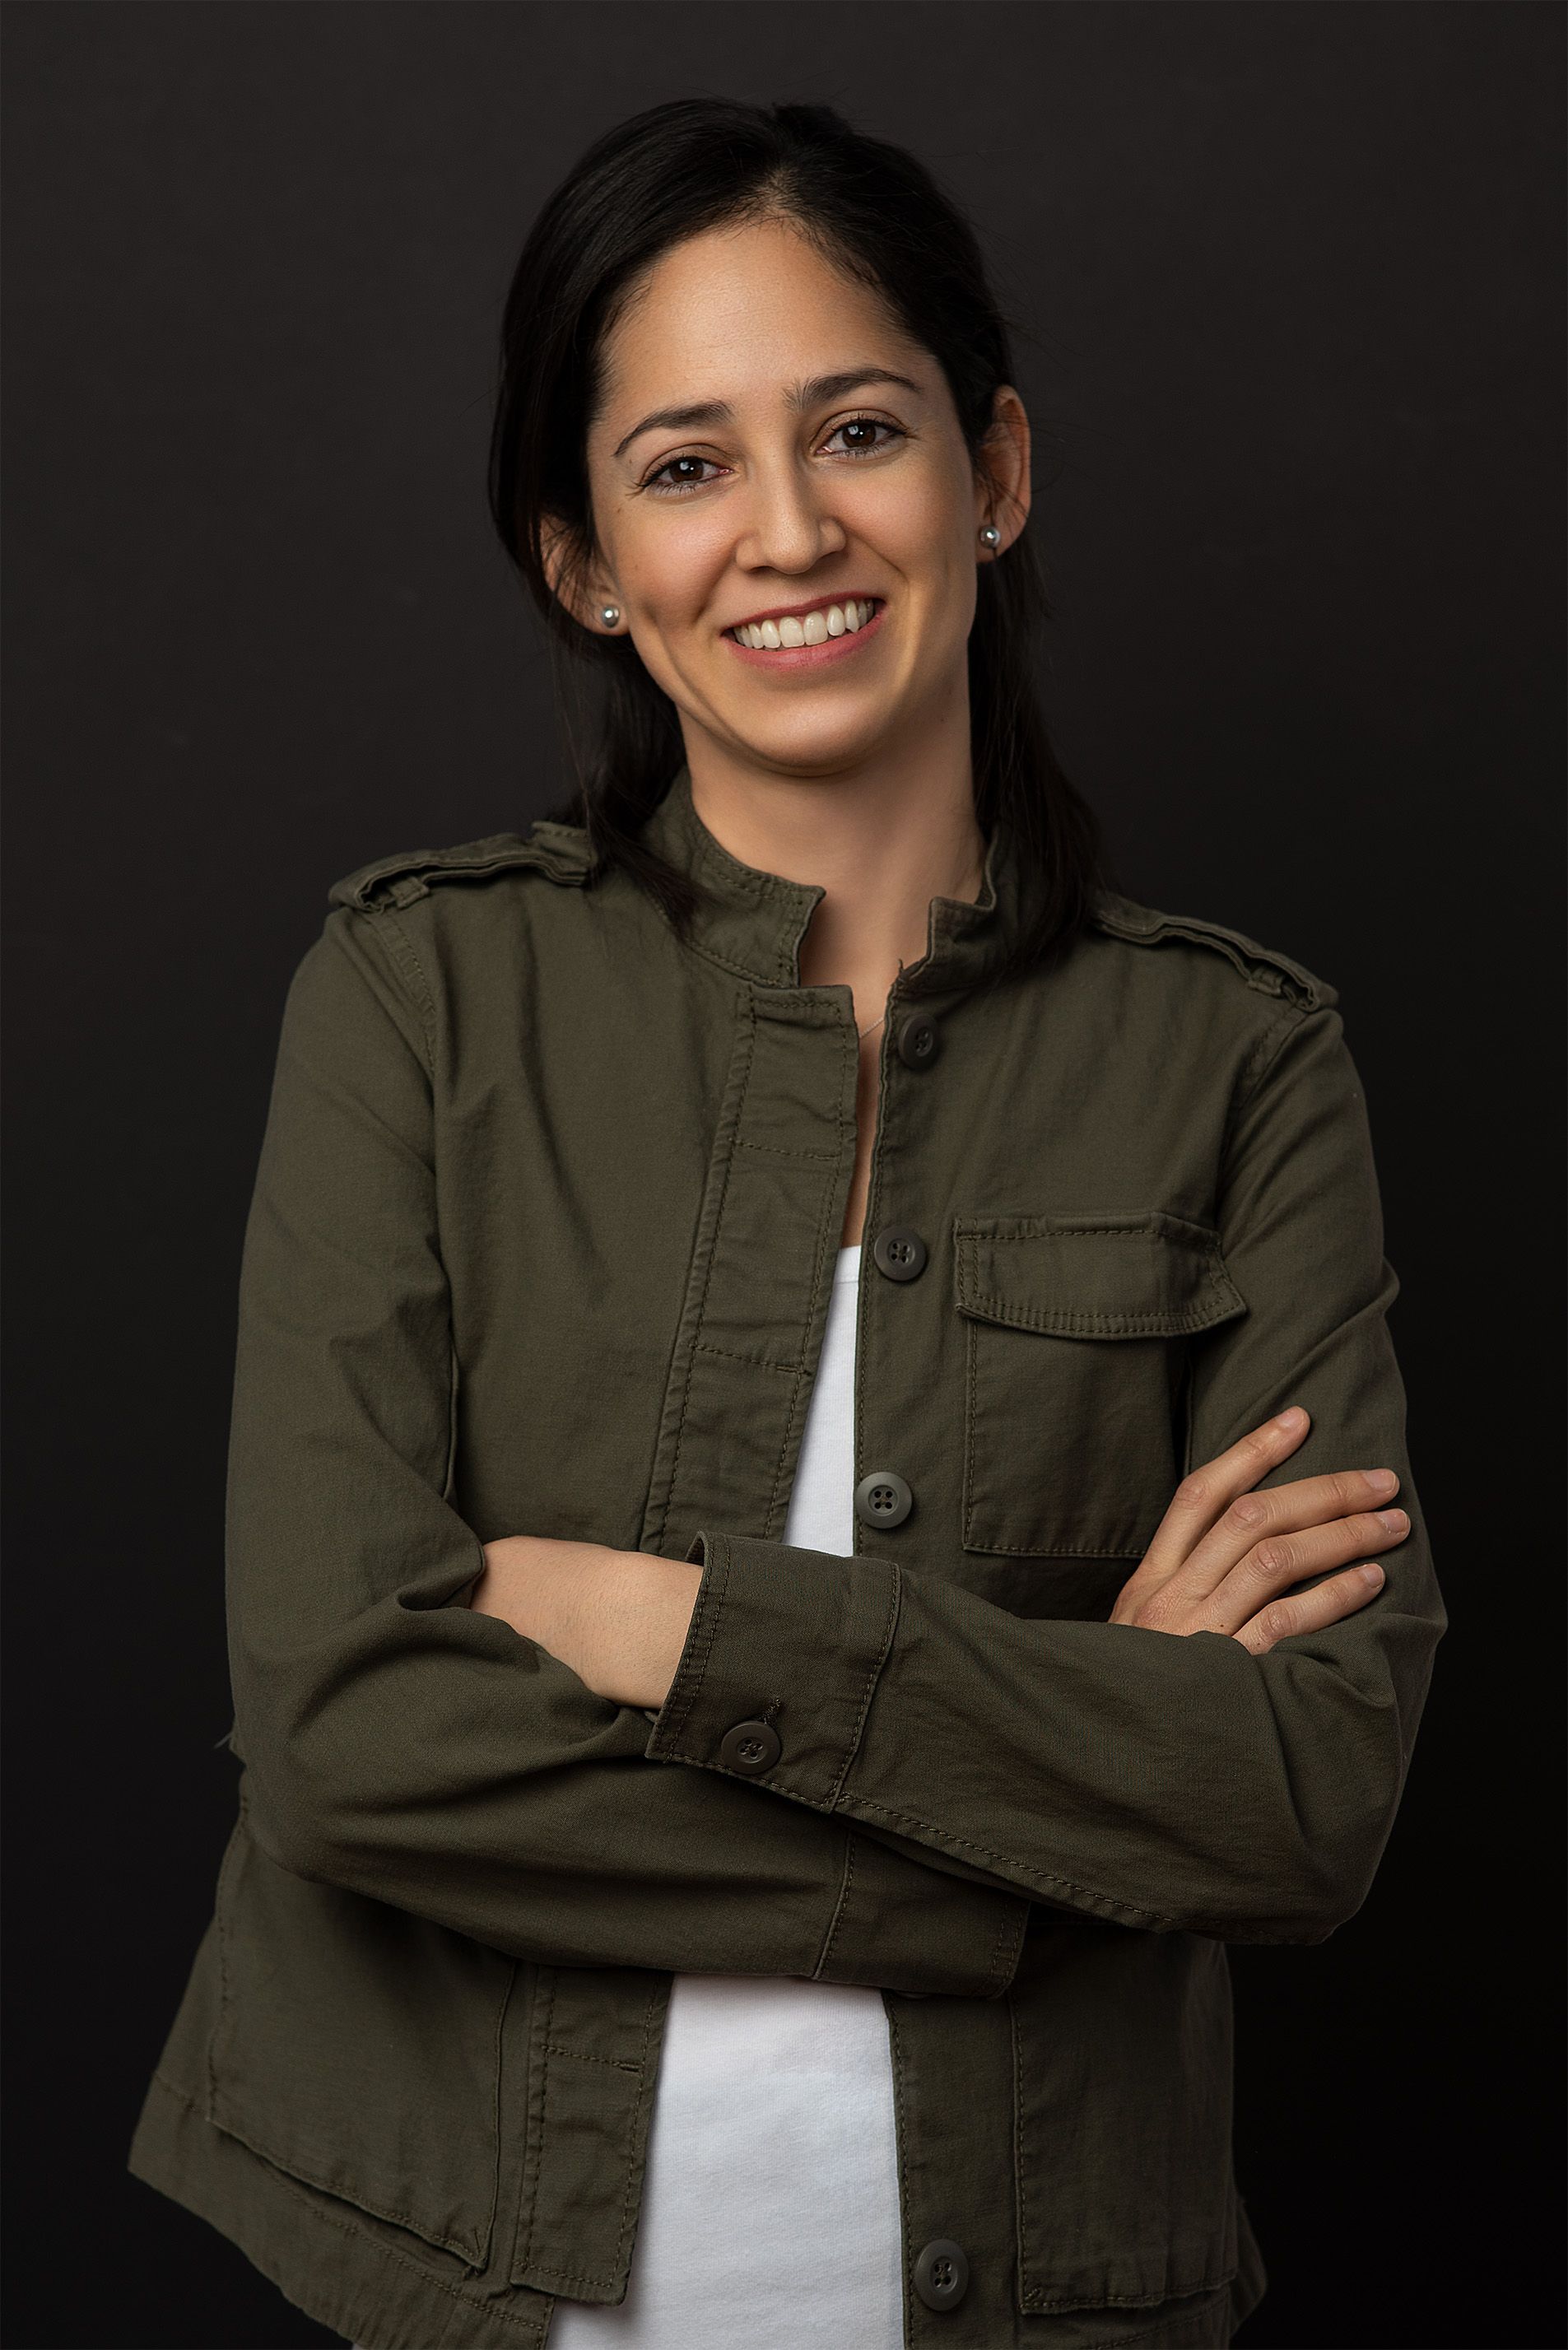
(683, 489)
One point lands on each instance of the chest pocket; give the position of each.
(1078, 1330)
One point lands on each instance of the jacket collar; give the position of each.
(753, 922)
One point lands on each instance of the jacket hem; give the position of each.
(319, 2260)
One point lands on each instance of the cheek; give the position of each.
(922, 527)
(669, 564)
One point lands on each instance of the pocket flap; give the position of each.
(1124, 1272)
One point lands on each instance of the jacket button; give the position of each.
(883, 1499)
(942, 2273)
(899, 1252)
(918, 1040)
(751, 1746)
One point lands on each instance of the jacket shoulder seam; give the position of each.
(559, 851)
(405, 971)
(1267, 970)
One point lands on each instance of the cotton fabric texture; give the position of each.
(542, 1237)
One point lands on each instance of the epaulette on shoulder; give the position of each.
(1264, 968)
(561, 851)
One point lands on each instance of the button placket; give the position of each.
(883, 1499)
(918, 1040)
(899, 1252)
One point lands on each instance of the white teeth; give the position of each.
(836, 620)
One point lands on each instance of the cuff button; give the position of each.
(751, 1746)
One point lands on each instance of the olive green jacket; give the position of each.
(542, 1241)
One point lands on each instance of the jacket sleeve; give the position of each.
(394, 1743)
(1156, 1780)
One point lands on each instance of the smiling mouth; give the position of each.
(787, 634)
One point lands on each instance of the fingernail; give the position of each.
(1382, 1481)
(1291, 1419)
(1371, 1573)
(1392, 1519)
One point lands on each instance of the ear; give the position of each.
(578, 579)
(1003, 490)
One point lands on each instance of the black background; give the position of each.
(1290, 285)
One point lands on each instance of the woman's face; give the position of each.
(786, 513)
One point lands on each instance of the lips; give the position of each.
(812, 624)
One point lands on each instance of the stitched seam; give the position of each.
(627, 2220)
(1011, 1929)
(424, 998)
(881, 1659)
(614, 2064)
(755, 1362)
(639, 2070)
(387, 2251)
(1132, 2300)
(844, 1883)
(1020, 2167)
(1018, 1867)
(542, 2027)
(749, 1015)
(777, 1151)
(1172, 1321)
(469, 2248)
(1256, 1067)
(776, 1497)
(907, 2264)
(496, 2106)
(775, 1486)
(1265, 1052)
(1051, 1550)
(969, 1382)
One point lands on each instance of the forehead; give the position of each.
(739, 313)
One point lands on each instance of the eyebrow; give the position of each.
(810, 394)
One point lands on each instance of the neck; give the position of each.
(882, 838)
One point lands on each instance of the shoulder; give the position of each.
(1177, 938)
(559, 852)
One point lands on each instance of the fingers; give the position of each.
(1295, 1530)
(1271, 1567)
(1206, 1491)
(1309, 1611)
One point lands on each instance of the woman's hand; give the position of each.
(619, 1619)
(1222, 1554)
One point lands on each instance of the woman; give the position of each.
(785, 1254)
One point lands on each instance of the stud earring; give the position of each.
(610, 614)
(990, 537)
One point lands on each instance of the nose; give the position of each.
(788, 527)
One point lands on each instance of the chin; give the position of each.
(814, 744)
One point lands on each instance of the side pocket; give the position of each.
(358, 2047)
(1075, 1358)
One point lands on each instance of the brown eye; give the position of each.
(679, 474)
(864, 436)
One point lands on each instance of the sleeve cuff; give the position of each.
(782, 1658)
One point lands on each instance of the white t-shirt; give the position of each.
(772, 2141)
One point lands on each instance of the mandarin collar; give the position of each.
(753, 922)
